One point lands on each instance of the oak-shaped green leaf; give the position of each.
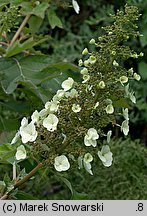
(54, 20)
(6, 151)
(18, 47)
(33, 72)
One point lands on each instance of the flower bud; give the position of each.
(136, 76)
(80, 62)
(92, 41)
(102, 84)
(85, 51)
(115, 63)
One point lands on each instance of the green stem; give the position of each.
(20, 29)
(22, 181)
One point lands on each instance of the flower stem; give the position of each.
(20, 29)
(22, 181)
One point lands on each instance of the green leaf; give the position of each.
(3, 2)
(142, 66)
(9, 124)
(18, 47)
(35, 23)
(27, 69)
(21, 195)
(54, 19)
(31, 71)
(121, 103)
(68, 184)
(6, 151)
(17, 106)
(40, 9)
(2, 186)
(79, 196)
(75, 195)
(143, 39)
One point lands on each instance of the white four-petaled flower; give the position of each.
(52, 106)
(125, 113)
(125, 127)
(109, 109)
(67, 84)
(27, 131)
(91, 137)
(50, 122)
(61, 163)
(105, 156)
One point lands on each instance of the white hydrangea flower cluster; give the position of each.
(90, 102)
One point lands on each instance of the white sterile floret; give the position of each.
(105, 156)
(109, 109)
(130, 94)
(92, 59)
(102, 84)
(61, 163)
(86, 77)
(15, 138)
(125, 113)
(52, 106)
(136, 76)
(28, 131)
(87, 166)
(76, 108)
(88, 158)
(76, 6)
(91, 137)
(72, 94)
(50, 122)
(24, 122)
(125, 127)
(123, 79)
(43, 113)
(109, 136)
(132, 97)
(20, 153)
(35, 117)
(67, 84)
(59, 95)
(85, 51)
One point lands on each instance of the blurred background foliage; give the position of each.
(65, 38)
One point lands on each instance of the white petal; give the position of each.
(76, 6)
(67, 84)
(61, 163)
(109, 136)
(15, 138)
(125, 127)
(50, 122)
(21, 153)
